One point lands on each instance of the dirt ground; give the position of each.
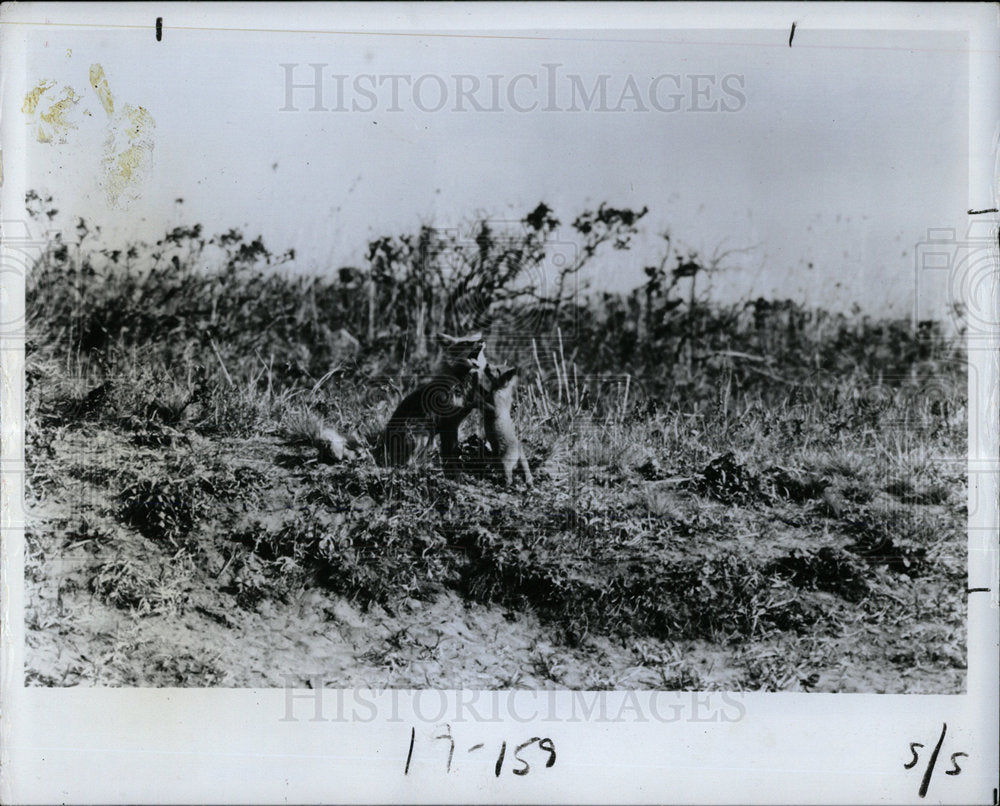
(109, 606)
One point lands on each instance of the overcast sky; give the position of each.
(831, 158)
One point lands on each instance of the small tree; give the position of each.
(439, 280)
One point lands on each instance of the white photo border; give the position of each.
(265, 746)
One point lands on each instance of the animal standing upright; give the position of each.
(505, 447)
(436, 407)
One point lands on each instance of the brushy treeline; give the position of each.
(228, 304)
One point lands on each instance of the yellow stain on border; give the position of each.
(129, 163)
(140, 120)
(54, 121)
(128, 155)
(100, 84)
(34, 95)
(55, 115)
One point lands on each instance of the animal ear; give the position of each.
(480, 359)
(507, 376)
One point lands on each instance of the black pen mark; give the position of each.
(476, 747)
(527, 767)
(978, 590)
(916, 756)
(159, 28)
(930, 764)
(451, 743)
(547, 745)
(503, 752)
(955, 769)
(981, 212)
(996, 795)
(792, 34)
(413, 735)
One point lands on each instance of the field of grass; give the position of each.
(749, 497)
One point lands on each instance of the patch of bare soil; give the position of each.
(167, 560)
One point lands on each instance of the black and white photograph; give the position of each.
(481, 350)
